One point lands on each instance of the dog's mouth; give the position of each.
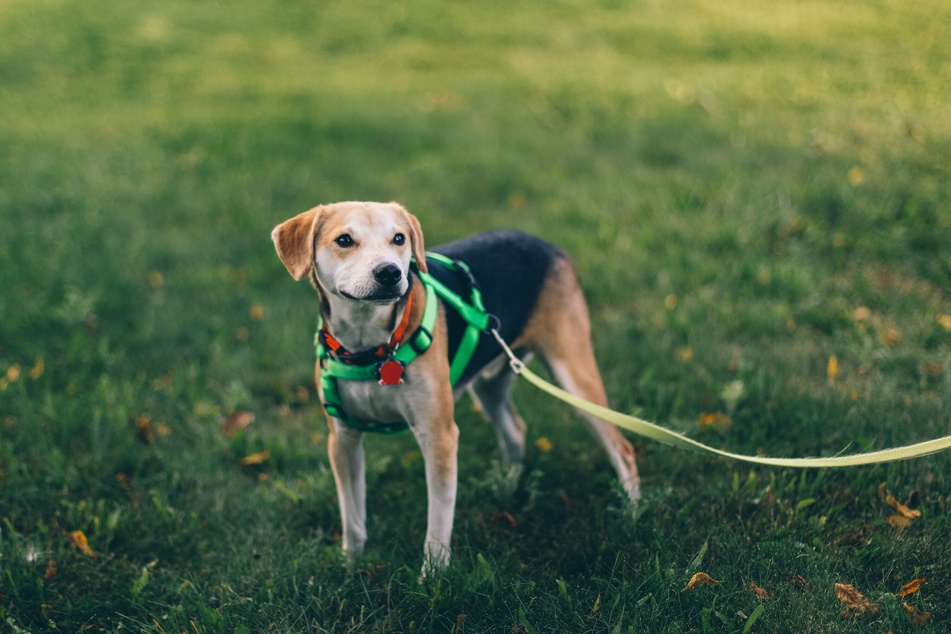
(387, 296)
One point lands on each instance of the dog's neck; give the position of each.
(360, 325)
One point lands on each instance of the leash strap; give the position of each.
(660, 434)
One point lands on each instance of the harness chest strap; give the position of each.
(334, 369)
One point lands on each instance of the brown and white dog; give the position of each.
(357, 256)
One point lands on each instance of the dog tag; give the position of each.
(390, 372)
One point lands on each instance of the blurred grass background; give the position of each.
(748, 191)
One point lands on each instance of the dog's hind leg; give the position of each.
(586, 383)
(560, 332)
(492, 390)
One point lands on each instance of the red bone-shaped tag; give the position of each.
(390, 372)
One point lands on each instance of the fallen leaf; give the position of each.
(700, 579)
(901, 508)
(256, 458)
(898, 521)
(933, 369)
(832, 368)
(143, 427)
(715, 419)
(847, 594)
(78, 539)
(910, 588)
(891, 337)
(37, 370)
(799, 581)
(918, 618)
(544, 445)
(506, 516)
(235, 422)
(760, 593)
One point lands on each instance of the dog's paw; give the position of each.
(435, 561)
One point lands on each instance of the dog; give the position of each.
(366, 261)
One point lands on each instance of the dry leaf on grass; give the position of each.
(544, 445)
(760, 593)
(901, 508)
(505, 516)
(700, 579)
(78, 539)
(256, 458)
(235, 422)
(143, 427)
(898, 521)
(852, 598)
(832, 367)
(910, 588)
(718, 420)
(917, 617)
(799, 581)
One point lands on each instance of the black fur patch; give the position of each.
(510, 268)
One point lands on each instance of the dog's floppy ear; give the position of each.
(294, 241)
(416, 241)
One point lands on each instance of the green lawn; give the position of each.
(749, 190)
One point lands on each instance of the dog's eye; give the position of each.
(399, 239)
(344, 240)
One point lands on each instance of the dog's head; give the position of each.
(360, 251)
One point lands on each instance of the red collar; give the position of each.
(381, 352)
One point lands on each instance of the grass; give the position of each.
(747, 190)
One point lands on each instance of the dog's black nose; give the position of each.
(388, 274)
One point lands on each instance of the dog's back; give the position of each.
(510, 268)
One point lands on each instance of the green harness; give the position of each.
(472, 312)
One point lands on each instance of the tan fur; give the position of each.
(294, 241)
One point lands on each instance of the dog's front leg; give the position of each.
(438, 440)
(345, 447)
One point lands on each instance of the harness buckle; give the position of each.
(421, 341)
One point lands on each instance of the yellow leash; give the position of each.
(655, 432)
